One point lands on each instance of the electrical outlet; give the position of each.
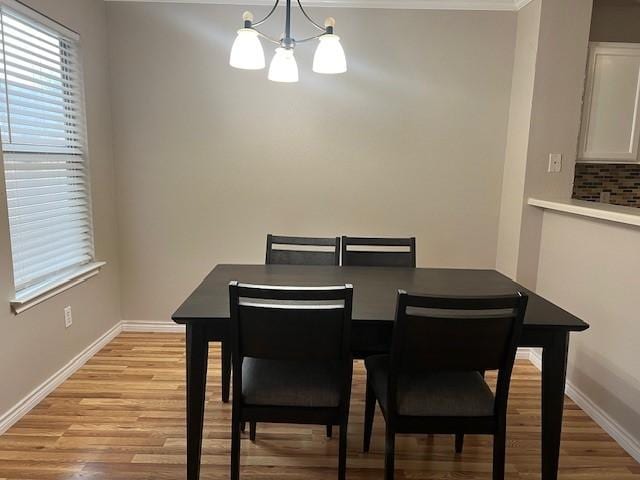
(555, 163)
(68, 318)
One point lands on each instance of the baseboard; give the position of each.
(39, 393)
(535, 358)
(630, 444)
(151, 326)
(523, 353)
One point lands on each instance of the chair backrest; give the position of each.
(290, 323)
(283, 250)
(446, 334)
(379, 252)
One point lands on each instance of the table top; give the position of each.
(374, 290)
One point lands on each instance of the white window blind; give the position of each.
(42, 125)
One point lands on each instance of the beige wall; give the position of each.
(555, 117)
(590, 267)
(515, 163)
(558, 80)
(615, 21)
(35, 344)
(210, 159)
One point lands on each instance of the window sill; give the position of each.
(39, 293)
(602, 211)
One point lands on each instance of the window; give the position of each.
(42, 124)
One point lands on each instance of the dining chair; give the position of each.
(379, 252)
(292, 360)
(287, 250)
(431, 382)
(283, 250)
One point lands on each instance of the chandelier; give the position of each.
(247, 52)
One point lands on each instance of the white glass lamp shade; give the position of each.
(329, 56)
(247, 52)
(283, 67)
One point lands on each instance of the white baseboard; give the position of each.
(151, 326)
(630, 444)
(39, 393)
(535, 358)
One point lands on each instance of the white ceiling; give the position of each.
(390, 4)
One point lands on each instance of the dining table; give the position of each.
(206, 316)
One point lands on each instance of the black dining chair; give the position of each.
(432, 382)
(283, 250)
(379, 252)
(292, 360)
(287, 250)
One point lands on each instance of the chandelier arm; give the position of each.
(311, 38)
(266, 37)
(260, 22)
(317, 25)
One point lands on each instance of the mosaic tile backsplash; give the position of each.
(622, 182)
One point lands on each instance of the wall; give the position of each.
(35, 344)
(515, 164)
(615, 21)
(210, 159)
(555, 117)
(562, 40)
(596, 278)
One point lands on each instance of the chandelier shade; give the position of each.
(247, 52)
(283, 67)
(329, 57)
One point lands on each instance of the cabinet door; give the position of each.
(610, 130)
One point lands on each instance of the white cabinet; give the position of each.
(610, 130)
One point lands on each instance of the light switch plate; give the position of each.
(555, 163)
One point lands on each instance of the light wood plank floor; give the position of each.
(122, 417)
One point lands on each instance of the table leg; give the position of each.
(226, 370)
(197, 356)
(554, 374)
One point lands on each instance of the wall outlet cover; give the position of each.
(68, 318)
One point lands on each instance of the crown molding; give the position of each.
(521, 3)
(493, 5)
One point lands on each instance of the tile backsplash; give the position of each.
(621, 182)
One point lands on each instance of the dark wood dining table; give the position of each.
(206, 316)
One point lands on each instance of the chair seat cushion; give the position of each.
(432, 394)
(290, 384)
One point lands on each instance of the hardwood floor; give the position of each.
(122, 417)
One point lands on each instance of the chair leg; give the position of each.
(329, 431)
(459, 442)
(235, 450)
(499, 445)
(369, 411)
(342, 452)
(252, 431)
(389, 453)
(226, 370)
(243, 426)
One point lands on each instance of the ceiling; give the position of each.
(390, 4)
